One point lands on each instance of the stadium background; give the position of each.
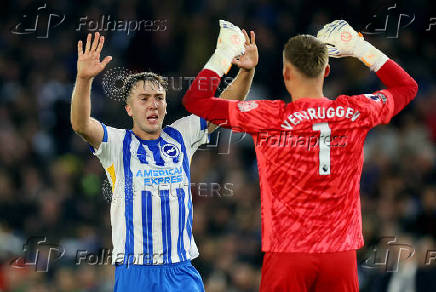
(51, 186)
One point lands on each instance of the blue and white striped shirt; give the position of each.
(151, 209)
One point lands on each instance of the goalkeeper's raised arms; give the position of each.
(230, 44)
(343, 41)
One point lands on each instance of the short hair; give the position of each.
(131, 80)
(308, 54)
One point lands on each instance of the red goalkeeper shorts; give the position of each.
(301, 272)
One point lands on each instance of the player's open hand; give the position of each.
(250, 58)
(88, 62)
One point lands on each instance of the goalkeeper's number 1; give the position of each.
(324, 147)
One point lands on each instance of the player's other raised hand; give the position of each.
(88, 62)
(230, 44)
(343, 41)
(250, 58)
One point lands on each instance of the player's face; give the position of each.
(147, 106)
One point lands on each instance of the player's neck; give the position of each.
(306, 92)
(305, 88)
(144, 135)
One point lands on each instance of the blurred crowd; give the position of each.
(51, 186)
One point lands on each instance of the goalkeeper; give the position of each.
(310, 205)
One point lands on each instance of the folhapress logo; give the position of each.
(39, 254)
(389, 255)
(389, 21)
(38, 22)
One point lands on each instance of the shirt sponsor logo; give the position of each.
(161, 176)
(247, 105)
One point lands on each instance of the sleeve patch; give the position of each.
(382, 96)
(374, 97)
(247, 105)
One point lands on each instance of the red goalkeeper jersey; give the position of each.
(310, 158)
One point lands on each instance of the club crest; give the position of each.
(170, 150)
(247, 105)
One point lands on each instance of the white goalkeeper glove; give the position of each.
(230, 44)
(343, 41)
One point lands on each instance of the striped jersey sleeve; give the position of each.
(111, 145)
(193, 130)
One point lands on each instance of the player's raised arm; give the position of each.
(342, 41)
(240, 86)
(199, 98)
(88, 66)
(243, 116)
(247, 62)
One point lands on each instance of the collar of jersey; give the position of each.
(310, 99)
(147, 142)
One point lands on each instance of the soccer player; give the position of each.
(310, 157)
(149, 170)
